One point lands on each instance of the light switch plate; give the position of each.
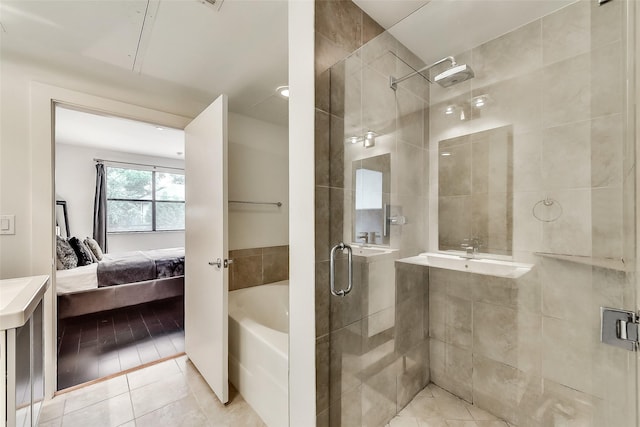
(7, 224)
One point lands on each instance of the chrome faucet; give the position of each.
(364, 236)
(471, 247)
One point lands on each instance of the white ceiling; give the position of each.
(439, 28)
(389, 12)
(238, 47)
(75, 127)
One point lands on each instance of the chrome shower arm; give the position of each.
(393, 82)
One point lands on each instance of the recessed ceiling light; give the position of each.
(159, 128)
(480, 101)
(283, 91)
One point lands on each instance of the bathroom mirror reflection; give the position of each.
(475, 192)
(371, 188)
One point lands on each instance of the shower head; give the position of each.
(454, 75)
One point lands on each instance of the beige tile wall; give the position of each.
(258, 266)
(557, 82)
(372, 345)
(529, 350)
(525, 350)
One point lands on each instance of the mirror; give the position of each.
(475, 191)
(62, 219)
(371, 188)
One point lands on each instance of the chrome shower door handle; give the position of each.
(332, 269)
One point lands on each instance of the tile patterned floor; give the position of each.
(97, 345)
(435, 407)
(170, 393)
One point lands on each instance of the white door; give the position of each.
(206, 283)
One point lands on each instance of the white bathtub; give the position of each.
(259, 349)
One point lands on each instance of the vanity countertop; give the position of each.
(18, 298)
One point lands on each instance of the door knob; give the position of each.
(221, 263)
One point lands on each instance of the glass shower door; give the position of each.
(495, 215)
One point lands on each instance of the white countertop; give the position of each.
(18, 298)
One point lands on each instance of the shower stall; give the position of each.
(476, 221)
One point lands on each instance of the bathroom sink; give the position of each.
(490, 267)
(18, 298)
(373, 253)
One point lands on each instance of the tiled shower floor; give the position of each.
(435, 407)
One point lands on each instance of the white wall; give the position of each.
(75, 183)
(258, 171)
(302, 325)
(26, 158)
(17, 252)
(247, 136)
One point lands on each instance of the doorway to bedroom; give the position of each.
(120, 209)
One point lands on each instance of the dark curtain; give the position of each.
(100, 208)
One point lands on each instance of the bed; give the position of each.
(120, 280)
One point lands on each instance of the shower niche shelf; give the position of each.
(616, 264)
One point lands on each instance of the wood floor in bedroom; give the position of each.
(98, 345)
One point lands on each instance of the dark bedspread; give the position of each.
(138, 266)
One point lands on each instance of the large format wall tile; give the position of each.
(345, 360)
(340, 22)
(347, 409)
(563, 145)
(321, 148)
(258, 266)
(607, 23)
(323, 295)
(378, 103)
(413, 374)
(323, 358)
(379, 395)
(348, 309)
(512, 100)
(510, 55)
(409, 169)
(495, 334)
(566, 356)
(566, 94)
(607, 223)
(570, 233)
(458, 371)
(409, 327)
(458, 322)
(566, 32)
(563, 282)
(607, 82)
(606, 151)
(566, 406)
(527, 161)
(409, 110)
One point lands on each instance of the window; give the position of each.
(144, 200)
